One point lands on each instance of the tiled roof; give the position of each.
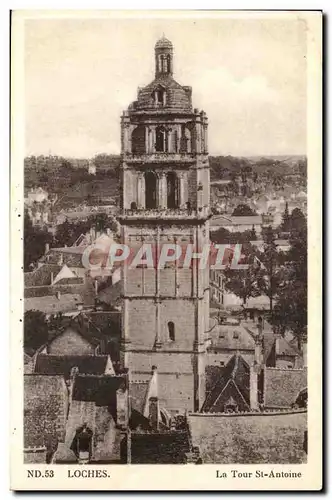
(231, 337)
(42, 275)
(282, 386)
(177, 98)
(50, 304)
(98, 389)
(163, 43)
(275, 438)
(160, 448)
(62, 365)
(95, 327)
(45, 407)
(283, 348)
(111, 294)
(235, 377)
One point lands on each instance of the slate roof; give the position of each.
(160, 447)
(231, 337)
(163, 43)
(100, 390)
(94, 327)
(234, 377)
(112, 294)
(61, 365)
(42, 275)
(177, 98)
(45, 406)
(275, 347)
(49, 304)
(282, 386)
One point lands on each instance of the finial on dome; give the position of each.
(164, 43)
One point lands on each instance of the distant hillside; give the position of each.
(69, 177)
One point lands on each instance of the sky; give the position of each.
(249, 75)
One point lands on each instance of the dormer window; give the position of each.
(160, 97)
(235, 335)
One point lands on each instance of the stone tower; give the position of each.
(165, 200)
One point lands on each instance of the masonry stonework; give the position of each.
(165, 199)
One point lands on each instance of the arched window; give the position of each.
(171, 331)
(168, 63)
(185, 143)
(160, 63)
(172, 190)
(160, 96)
(138, 140)
(150, 190)
(133, 205)
(161, 140)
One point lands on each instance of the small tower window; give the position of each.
(160, 97)
(172, 190)
(171, 331)
(161, 140)
(168, 63)
(150, 190)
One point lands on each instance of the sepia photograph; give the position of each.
(165, 194)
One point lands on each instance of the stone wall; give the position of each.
(274, 438)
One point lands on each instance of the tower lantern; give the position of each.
(164, 57)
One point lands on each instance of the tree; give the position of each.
(269, 258)
(290, 311)
(243, 209)
(243, 282)
(35, 329)
(35, 240)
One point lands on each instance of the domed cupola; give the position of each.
(164, 57)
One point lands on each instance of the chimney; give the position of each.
(70, 383)
(47, 248)
(122, 418)
(58, 294)
(154, 413)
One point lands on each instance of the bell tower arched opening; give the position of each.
(172, 190)
(138, 140)
(161, 140)
(150, 190)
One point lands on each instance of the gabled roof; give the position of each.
(49, 304)
(235, 377)
(99, 389)
(112, 294)
(283, 348)
(231, 337)
(61, 365)
(92, 326)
